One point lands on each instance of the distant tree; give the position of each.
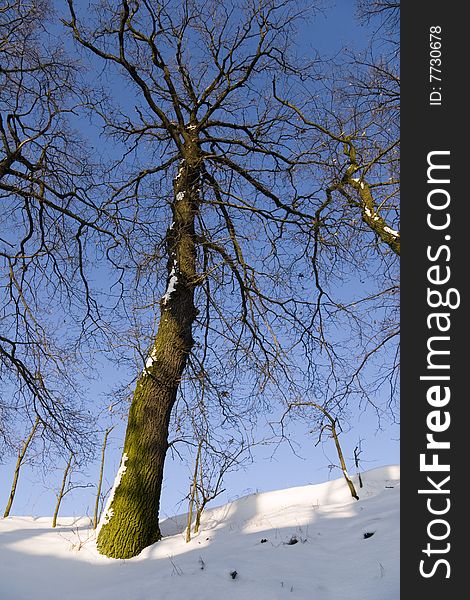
(96, 513)
(67, 485)
(357, 454)
(329, 423)
(63, 490)
(193, 492)
(19, 462)
(211, 466)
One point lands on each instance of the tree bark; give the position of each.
(19, 462)
(130, 521)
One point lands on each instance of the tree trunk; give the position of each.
(202, 503)
(349, 481)
(334, 434)
(193, 494)
(100, 480)
(199, 511)
(62, 491)
(357, 451)
(130, 521)
(19, 462)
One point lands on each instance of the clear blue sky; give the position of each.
(333, 30)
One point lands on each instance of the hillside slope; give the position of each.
(331, 560)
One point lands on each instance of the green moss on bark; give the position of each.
(130, 523)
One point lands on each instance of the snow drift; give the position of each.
(311, 542)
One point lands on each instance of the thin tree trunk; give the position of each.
(199, 511)
(61, 493)
(349, 481)
(193, 495)
(130, 521)
(19, 462)
(202, 504)
(332, 427)
(100, 480)
(356, 460)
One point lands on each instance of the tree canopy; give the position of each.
(225, 226)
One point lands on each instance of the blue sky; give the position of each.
(334, 29)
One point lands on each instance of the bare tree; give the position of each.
(215, 459)
(62, 491)
(213, 468)
(193, 492)
(96, 514)
(237, 196)
(235, 177)
(19, 462)
(52, 225)
(222, 177)
(349, 110)
(327, 423)
(357, 454)
(67, 485)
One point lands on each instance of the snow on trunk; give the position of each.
(108, 511)
(173, 282)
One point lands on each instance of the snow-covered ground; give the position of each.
(332, 560)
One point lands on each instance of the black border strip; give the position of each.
(425, 128)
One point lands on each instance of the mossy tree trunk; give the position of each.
(130, 521)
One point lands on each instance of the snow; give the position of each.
(391, 231)
(169, 290)
(369, 213)
(150, 359)
(180, 170)
(179, 196)
(361, 183)
(331, 561)
(108, 511)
